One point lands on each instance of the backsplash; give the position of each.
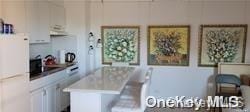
(69, 44)
(40, 49)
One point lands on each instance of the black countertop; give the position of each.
(49, 70)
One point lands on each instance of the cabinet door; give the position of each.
(33, 21)
(65, 96)
(38, 101)
(50, 98)
(58, 97)
(38, 21)
(57, 16)
(44, 21)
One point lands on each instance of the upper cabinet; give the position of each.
(38, 19)
(57, 17)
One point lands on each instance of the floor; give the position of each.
(173, 110)
(163, 110)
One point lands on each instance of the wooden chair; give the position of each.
(227, 79)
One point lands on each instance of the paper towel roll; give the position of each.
(62, 56)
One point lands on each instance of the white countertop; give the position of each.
(106, 80)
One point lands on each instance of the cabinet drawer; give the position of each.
(39, 83)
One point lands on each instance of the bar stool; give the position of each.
(133, 88)
(136, 104)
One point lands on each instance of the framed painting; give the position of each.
(168, 45)
(120, 44)
(222, 43)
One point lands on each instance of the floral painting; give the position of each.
(120, 44)
(222, 43)
(168, 45)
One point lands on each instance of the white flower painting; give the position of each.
(222, 43)
(121, 44)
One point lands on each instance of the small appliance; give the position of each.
(70, 57)
(50, 60)
(62, 56)
(35, 66)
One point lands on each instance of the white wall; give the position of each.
(77, 24)
(1, 9)
(14, 12)
(40, 49)
(170, 80)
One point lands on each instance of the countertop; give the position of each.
(53, 69)
(106, 80)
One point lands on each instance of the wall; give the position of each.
(170, 80)
(1, 8)
(40, 49)
(14, 12)
(77, 24)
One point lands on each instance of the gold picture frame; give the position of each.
(168, 45)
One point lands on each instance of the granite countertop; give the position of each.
(106, 80)
(50, 69)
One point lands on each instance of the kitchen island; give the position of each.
(96, 92)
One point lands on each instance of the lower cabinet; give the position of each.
(46, 99)
(64, 96)
(38, 100)
(47, 94)
(51, 98)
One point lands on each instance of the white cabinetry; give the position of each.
(47, 93)
(37, 100)
(57, 16)
(46, 99)
(52, 98)
(38, 21)
(64, 96)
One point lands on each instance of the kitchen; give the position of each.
(56, 53)
(60, 55)
(43, 52)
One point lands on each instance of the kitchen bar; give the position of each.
(97, 91)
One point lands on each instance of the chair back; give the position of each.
(121, 64)
(228, 79)
(144, 94)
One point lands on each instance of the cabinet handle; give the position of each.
(44, 93)
(58, 87)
